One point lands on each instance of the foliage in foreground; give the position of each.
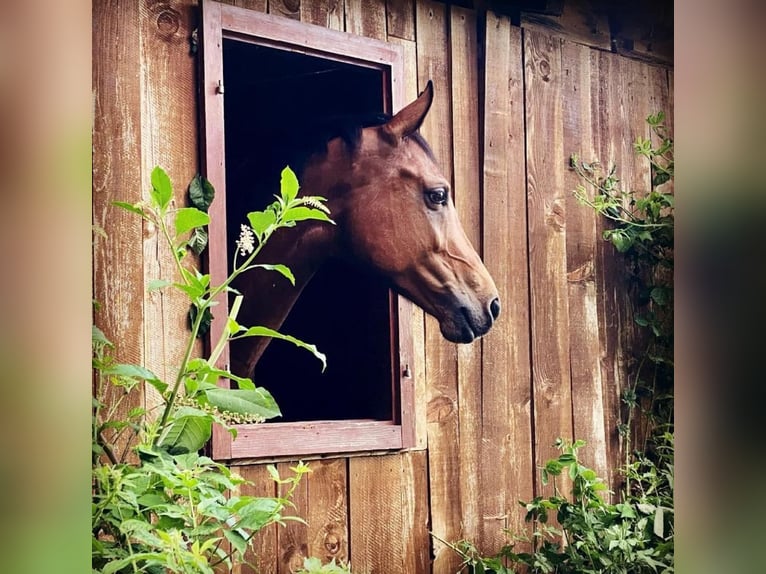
(636, 535)
(593, 536)
(158, 505)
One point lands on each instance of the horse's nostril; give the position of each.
(494, 308)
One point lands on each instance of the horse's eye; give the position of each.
(437, 196)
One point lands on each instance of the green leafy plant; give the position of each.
(593, 536)
(158, 504)
(641, 226)
(635, 535)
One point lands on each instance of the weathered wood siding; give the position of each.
(512, 103)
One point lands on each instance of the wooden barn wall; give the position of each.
(512, 103)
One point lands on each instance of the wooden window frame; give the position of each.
(275, 439)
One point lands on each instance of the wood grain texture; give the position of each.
(263, 557)
(400, 15)
(441, 357)
(118, 279)
(167, 75)
(292, 538)
(285, 8)
(366, 18)
(326, 13)
(546, 166)
(388, 520)
(467, 193)
(417, 317)
(585, 22)
(579, 67)
(506, 450)
(327, 512)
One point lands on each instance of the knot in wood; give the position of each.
(545, 70)
(168, 22)
(292, 5)
(440, 409)
(556, 217)
(332, 543)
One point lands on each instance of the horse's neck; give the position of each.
(268, 296)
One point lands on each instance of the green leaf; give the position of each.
(244, 401)
(97, 336)
(283, 269)
(187, 218)
(261, 220)
(659, 525)
(162, 190)
(237, 540)
(130, 207)
(201, 193)
(288, 185)
(190, 430)
(198, 240)
(155, 284)
(136, 372)
(266, 332)
(659, 295)
(302, 213)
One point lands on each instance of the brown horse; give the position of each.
(394, 214)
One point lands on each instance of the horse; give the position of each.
(395, 215)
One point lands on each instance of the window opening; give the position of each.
(276, 94)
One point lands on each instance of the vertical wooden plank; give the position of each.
(465, 136)
(286, 8)
(118, 279)
(327, 512)
(388, 523)
(327, 13)
(400, 16)
(581, 238)
(417, 317)
(263, 557)
(506, 449)
(414, 503)
(366, 18)
(441, 356)
(375, 514)
(167, 74)
(605, 280)
(292, 538)
(546, 165)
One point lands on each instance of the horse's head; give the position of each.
(396, 213)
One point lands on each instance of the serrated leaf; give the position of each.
(162, 190)
(244, 401)
(187, 218)
(659, 295)
(201, 193)
(282, 269)
(266, 332)
(288, 185)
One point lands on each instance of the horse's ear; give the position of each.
(409, 118)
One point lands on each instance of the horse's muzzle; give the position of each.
(467, 325)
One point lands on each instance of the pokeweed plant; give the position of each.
(158, 504)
